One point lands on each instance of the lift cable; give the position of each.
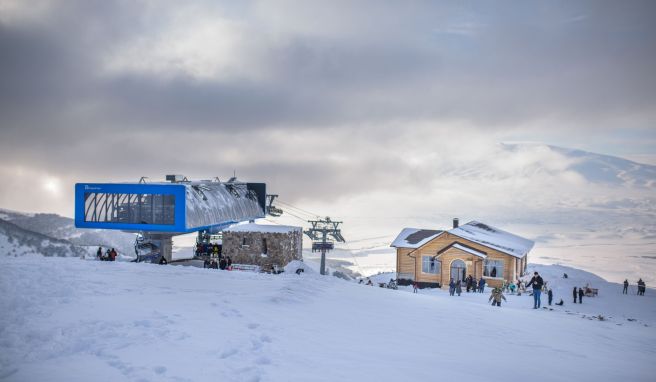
(309, 213)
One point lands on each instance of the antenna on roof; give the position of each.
(143, 179)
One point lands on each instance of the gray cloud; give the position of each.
(333, 98)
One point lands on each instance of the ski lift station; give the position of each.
(158, 211)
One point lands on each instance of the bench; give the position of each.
(591, 292)
(245, 267)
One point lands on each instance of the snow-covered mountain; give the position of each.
(17, 241)
(596, 168)
(54, 235)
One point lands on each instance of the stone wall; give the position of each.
(249, 247)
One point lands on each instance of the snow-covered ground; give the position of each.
(66, 319)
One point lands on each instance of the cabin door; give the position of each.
(458, 269)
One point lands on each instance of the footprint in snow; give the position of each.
(228, 353)
(159, 369)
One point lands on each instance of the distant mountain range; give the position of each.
(599, 168)
(54, 235)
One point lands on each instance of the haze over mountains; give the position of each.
(577, 206)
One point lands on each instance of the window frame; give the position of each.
(500, 269)
(431, 259)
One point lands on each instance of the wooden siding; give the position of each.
(474, 264)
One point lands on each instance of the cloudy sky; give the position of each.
(336, 105)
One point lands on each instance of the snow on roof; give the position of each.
(469, 250)
(494, 238)
(252, 227)
(414, 237)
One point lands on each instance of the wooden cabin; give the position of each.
(433, 257)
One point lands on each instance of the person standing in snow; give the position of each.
(458, 287)
(581, 293)
(468, 282)
(496, 296)
(626, 287)
(414, 287)
(99, 253)
(452, 287)
(641, 287)
(536, 282)
(574, 294)
(481, 285)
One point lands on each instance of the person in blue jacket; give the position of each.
(481, 285)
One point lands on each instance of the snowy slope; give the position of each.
(63, 228)
(89, 320)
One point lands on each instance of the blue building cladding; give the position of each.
(163, 207)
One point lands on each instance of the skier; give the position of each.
(581, 293)
(481, 285)
(458, 287)
(626, 287)
(537, 283)
(574, 294)
(550, 296)
(452, 287)
(496, 296)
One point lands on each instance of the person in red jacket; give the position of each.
(112, 255)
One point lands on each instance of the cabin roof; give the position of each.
(252, 227)
(464, 248)
(494, 238)
(473, 231)
(414, 237)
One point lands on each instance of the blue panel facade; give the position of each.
(175, 191)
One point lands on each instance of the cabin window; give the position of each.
(158, 209)
(430, 265)
(493, 268)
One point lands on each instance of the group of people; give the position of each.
(580, 293)
(110, 254)
(225, 262)
(471, 284)
(641, 287)
(208, 249)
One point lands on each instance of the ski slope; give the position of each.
(67, 319)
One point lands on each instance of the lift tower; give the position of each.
(319, 233)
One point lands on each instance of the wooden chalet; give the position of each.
(433, 257)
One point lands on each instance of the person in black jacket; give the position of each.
(581, 295)
(574, 294)
(537, 283)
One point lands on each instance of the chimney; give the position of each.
(455, 222)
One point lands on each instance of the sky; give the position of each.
(358, 108)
